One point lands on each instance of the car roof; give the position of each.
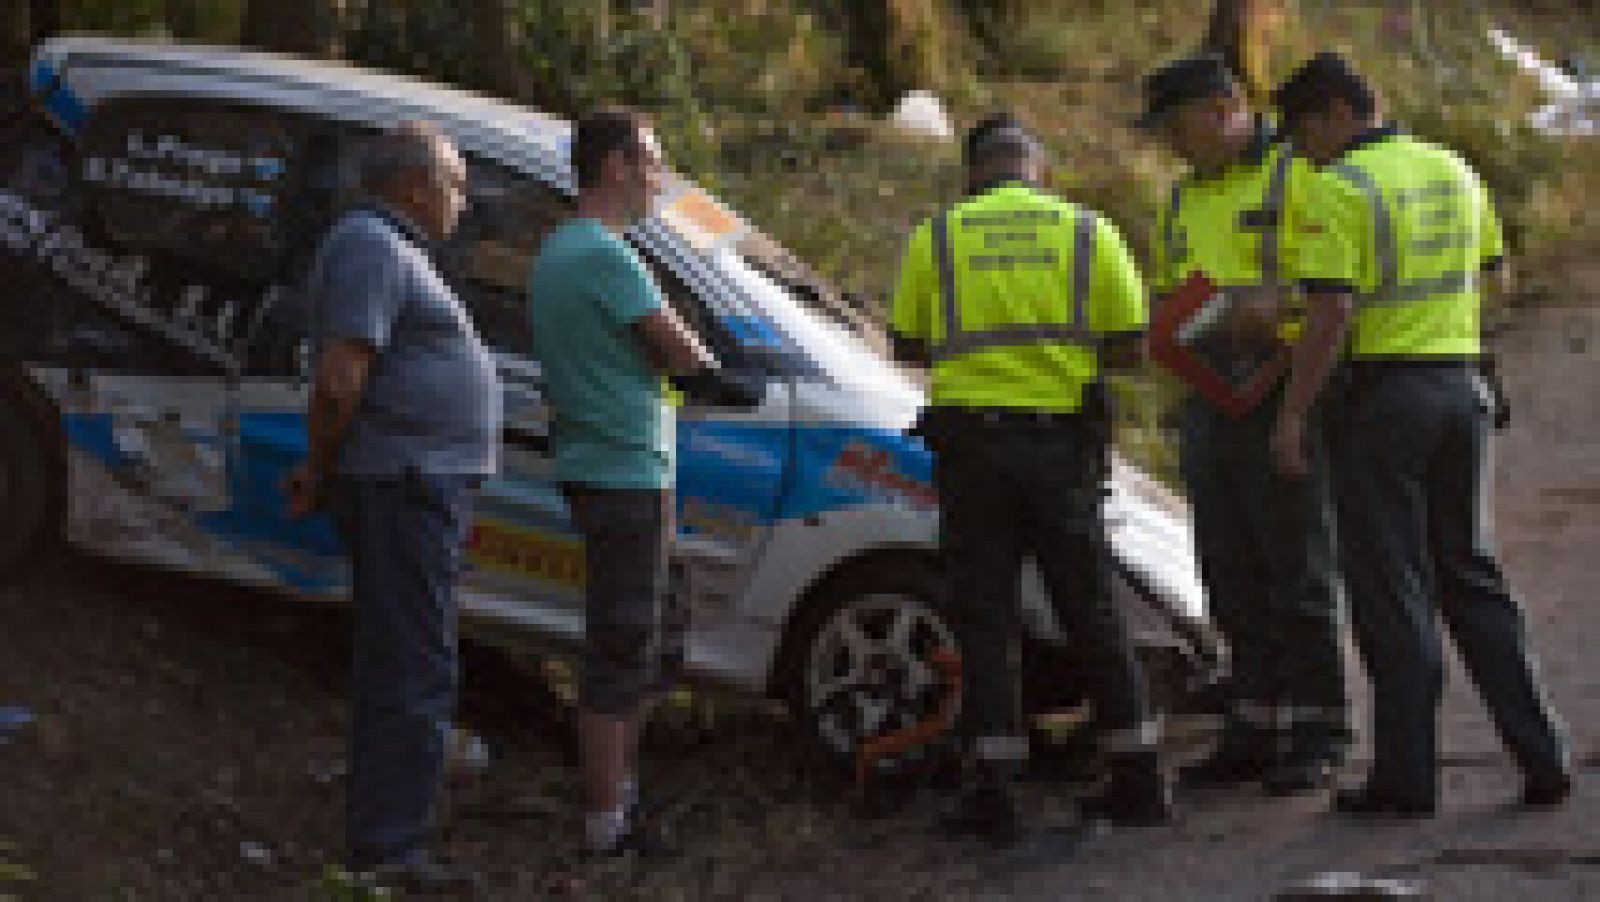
(94, 69)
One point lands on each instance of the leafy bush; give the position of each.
(425, 39)
(1051, 39)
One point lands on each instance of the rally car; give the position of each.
(158, 204)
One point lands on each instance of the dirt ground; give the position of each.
(188, 740)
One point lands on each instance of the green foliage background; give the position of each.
(777, 104)
(771, 102)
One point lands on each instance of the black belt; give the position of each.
(1360, 374)
(1008, 417)
(1390, 364)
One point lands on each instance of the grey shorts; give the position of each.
(627, 534)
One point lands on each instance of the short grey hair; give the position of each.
(390, 154)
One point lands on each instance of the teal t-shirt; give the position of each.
(611, 425)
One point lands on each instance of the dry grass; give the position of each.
(846, 206)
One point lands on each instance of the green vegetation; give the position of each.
(776, 104)
(773, 102)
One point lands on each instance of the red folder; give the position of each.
(1189, 312)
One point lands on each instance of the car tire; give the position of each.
(32, 484)
(1052, 679)
(859, 662)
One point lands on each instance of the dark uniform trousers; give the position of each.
(1410, 451)
(1267, 558)
(1008, 489)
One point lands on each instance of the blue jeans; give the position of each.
(405, 537)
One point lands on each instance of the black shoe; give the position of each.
(1230, 765)
(1547, 792)
(1296, 777)
(1132, 800)
(422, 877)
(642, 840)
(1364, 801)
(1008, 845)
(989, 814)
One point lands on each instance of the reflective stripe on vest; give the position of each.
(1169, 232)
(957, 341)
(1390, 290)
(1277, 187)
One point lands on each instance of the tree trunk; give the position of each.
(302, 27)
(44, 18)
(494, 48)
(896, 44)
(183, 19)
(1245, 33)
(15, 38)
(988, 21)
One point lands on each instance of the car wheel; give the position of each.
(31, 487)
(867, 663)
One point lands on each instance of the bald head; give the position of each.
(1000, 147)
(400, 152)
(414, 168)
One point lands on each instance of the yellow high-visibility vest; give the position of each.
(1235, 228)
(1421, 228)
(1012, 291)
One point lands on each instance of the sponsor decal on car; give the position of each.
(116, 282)
(700, 220)
(534, 554)
(720, 520)
(872, 471)
(26, 229)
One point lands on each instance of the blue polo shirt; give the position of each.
(611, 424)
(432, 397)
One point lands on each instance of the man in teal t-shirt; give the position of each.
(612, 426)
(605, 338)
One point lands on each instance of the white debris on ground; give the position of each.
(921, 113)
(256, 853)
(1574, 110)
(467, 754)
(1350, 886)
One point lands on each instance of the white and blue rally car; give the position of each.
(157, 207)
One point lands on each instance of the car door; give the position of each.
(172, 246)
(274, 356)
(525, 553)
(525, 548)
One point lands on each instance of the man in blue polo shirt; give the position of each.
(403, 423)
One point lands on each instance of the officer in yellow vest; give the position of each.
(1016, 300)
(1265, 539)
(1409, 433)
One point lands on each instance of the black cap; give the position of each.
(1183, 80)
(998, 133)
(1322, 78)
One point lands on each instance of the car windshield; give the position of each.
(781, 313)
(778, 322)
